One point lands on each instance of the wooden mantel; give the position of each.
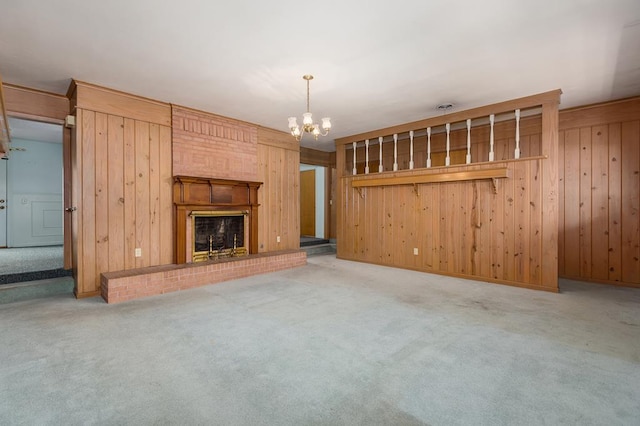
(196, 193)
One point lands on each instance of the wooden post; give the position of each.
(516, 154)
(549, 175)
(355, 169)
(411, 150)
(468, 141)
(395, 152)
(491, 154)
(380, 167)
(428, 147)
(366, 156)
(447, 160)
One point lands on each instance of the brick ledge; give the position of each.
(132, 284)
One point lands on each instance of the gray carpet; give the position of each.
(29, 259)
(333, 342)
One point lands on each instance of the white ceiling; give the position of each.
(375, 63)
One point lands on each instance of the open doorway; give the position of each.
(313, 203)
(31, 185)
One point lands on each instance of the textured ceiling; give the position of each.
(375, 64)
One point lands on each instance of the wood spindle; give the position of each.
(516, 153)
(380, 166)
(411, 150)
(468, 141)
(366, 157)
(491, 120)
(355, 169)
(447, 160)
(395, 152)
(428, 147)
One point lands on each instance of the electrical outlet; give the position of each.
(278, 239)
(138, 252)
(415, 251)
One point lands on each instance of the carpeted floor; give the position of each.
(330, 343)
(29, 259)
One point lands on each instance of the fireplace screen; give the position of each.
(218, 234)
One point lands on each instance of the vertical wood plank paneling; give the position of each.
(167, 222)
(630, 183)
(509, 227)
(561, 201)
(497, 235)
(154, 194)
(584, 194)
(615, 203)
(102, 194)
(142, 192)
(76, 195)
(89, 278)
(129, 194)
(116, 192)
(535, 243)
(600, 204)
(572, 202)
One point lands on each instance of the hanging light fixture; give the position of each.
(308, 125)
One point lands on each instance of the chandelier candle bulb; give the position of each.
(308, 126)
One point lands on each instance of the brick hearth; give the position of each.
(136, 283)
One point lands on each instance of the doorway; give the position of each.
(31, 185)
(313, 205)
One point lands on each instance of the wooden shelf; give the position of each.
(493, 173)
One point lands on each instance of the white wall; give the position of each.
(34, 194)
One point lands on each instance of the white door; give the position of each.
(3, 203)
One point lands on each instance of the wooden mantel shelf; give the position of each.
(493, 173)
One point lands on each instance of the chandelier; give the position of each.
(308, 125)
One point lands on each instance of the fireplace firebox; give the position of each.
(219, 234)
(215, 218)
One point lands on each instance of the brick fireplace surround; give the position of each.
(216, 149)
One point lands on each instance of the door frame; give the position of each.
(36, 105)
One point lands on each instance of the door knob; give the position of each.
(70, 209)
(1, 201)
(1, 207)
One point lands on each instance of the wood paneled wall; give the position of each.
(599, 170)
(459, 228)
(279, 195)
(504, 232)
(122, 184)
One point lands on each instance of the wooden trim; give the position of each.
(466, 277)
(5, 133)
(549, 176)
(101, 99)
(276, 138)
(593, 115)
(525, 102)
(316, 157)
(430, 177)
(35, 104)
